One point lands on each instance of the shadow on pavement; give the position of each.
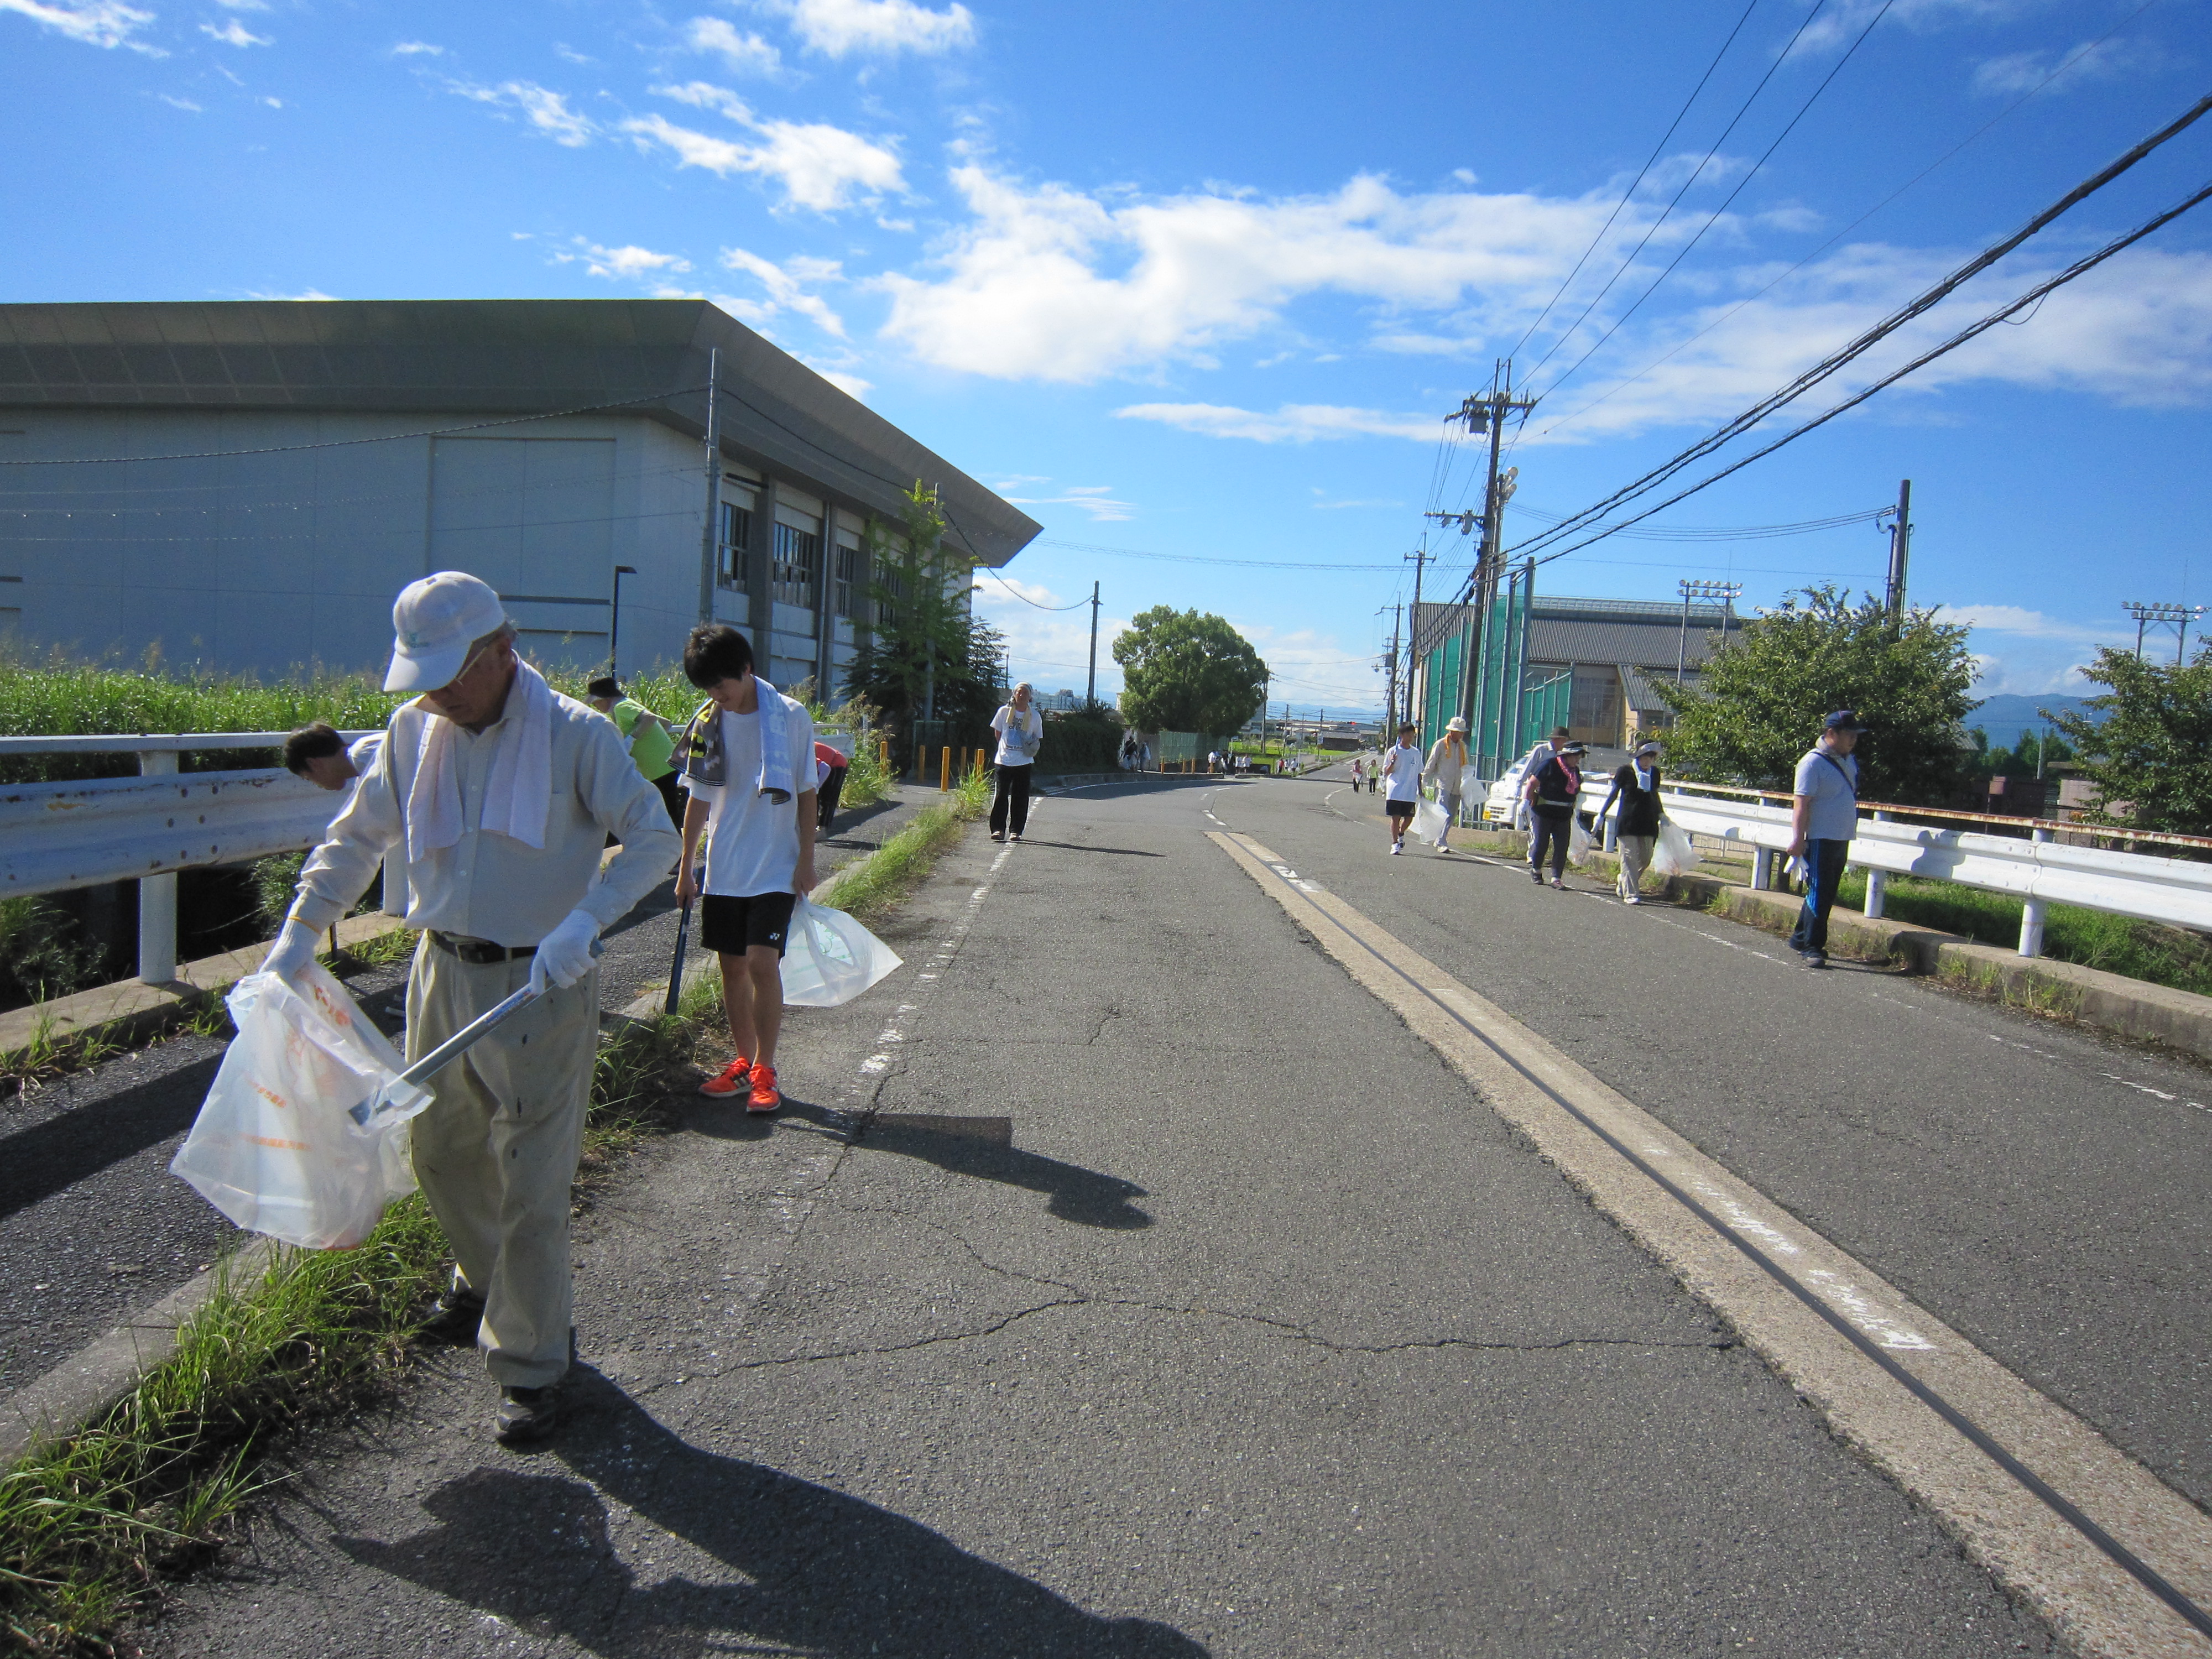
(1069, 847)
(1078, 1194)
(82, 1141)
(817, 1571)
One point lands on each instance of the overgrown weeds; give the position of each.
(880, 882)
(49, 1054)
(92, 1526)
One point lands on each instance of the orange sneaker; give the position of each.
(727, 1081)
(765, 1096)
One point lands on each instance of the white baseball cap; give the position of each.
(434, 622)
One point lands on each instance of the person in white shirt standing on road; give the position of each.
(748, 761)
(1402, 768)
(1824, 816)
(503, 793)
(1021, 731)
(1447, 767)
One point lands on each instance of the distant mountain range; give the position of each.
(2005, 716)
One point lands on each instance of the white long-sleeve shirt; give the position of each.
(488, 886)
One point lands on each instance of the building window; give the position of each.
(893, 581)
(736, 538)
(847, 596)
(798, 562)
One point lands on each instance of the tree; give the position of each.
(1757, 706)
(1184, 671)
(926, 651)
(2146, 749)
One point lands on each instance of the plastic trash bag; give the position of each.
(1430, 823)
(829, 958)
(303, 1134)
(1674, 855)
(1578, 840)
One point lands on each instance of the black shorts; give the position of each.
(729, 926)
(1398, 809)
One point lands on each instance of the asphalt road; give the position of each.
(2044, 1190)
(1174, 1300)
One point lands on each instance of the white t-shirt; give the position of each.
(1405, 774)
(1009, 726)
(752, 842)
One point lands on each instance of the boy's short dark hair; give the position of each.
(606, 686)
(714, 653)
(311, 742)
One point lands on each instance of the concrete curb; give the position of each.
(99, 1377)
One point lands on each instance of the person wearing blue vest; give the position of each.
(1823, 818)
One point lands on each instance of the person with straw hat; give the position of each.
(503, 793)
(1447, 765)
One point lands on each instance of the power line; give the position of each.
(1727, 201)
(1749, 532)
(2078, 53)
(1742, 110)
(1196, 558)
(2034, 295)
(1024, 597)
(1629, 194)
(1830, 365)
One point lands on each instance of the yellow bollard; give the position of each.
(944, 769)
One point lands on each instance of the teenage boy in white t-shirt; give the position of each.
(757, 818)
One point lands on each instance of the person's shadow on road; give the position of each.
(810, 1570)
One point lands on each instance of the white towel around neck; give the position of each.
(518, 791)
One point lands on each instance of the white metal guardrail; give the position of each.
(2038, 871)
(79, 833)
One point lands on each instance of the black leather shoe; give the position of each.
(454, 1318)
(527, 1416)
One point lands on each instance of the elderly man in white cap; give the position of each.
(503, 793)
(1446, 769)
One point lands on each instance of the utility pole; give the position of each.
(2176, 616)
(1488, 415)
(1390, 702)
(707, 540)
(1901, 549)
(1091, 686)
(1724, 591)
(1419, 555)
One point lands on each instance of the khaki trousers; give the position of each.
(496, 1149)
(1635, 860)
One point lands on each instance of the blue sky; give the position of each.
(1199, 280)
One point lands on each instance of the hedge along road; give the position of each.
(2042, 1191)
(1174, 1300)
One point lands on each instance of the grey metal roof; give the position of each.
(1646, 644)
(491, 356)
(1642, 694)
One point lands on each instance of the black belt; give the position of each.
(479, 952)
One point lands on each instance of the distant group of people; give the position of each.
(1824, 815)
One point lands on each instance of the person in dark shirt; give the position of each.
(1635, 787)
(1554, 781)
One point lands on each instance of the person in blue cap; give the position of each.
(1823, 818)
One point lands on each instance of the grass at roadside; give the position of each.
(90, 1528)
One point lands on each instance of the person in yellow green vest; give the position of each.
(650, 741)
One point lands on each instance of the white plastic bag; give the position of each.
(1430, 821)
(303, 1134)
(1578, 840)
(829, 958)
(1675, 855)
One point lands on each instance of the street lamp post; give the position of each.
(614, 621)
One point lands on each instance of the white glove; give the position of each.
(565, 953)
(294, 949)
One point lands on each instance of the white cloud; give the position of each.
(786, 285)
(837, 27)
(1097, 500)
(1052, 649)
(235, 33)
(705, 95)
(105, 23)
(570, 55)
(819, 167)
(417, 49)
(2024, 71)
(1290, 423)
(747, 53)
(626, 263)
(548, 112)
(304, 295)
(181, 103)
(273, 103)
(2012, 619)
(851, 385)
(243, 5)
(1050, 283)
